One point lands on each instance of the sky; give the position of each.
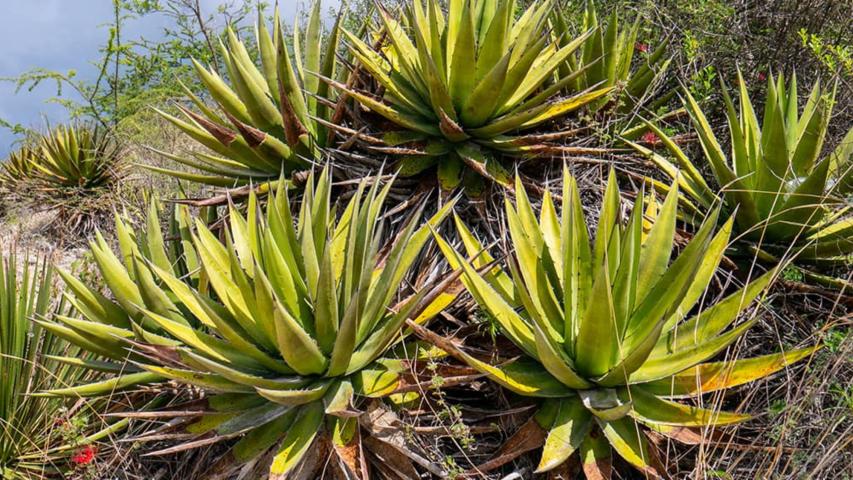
(63, 35)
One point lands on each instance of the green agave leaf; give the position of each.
(379, 379)
(523, 376)
(626, 438)
(107, 387)
(264, 437)
(595, 453)
(297, 440)
(658, 367)
(571, 425)
(711, 377)
(713, 320)
(650, 409)
(210, 381)
(295, 397)
(513, 324)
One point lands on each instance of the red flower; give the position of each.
(84, 456)
(762, 76)
(650, 138)
(641, 47)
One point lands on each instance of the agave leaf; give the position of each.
(253, 380)
(711, 377)
(596, 456)
(663, 366)
(716, 250)
(394, 115)
(246, 420)
(625, 436)
(339, 400)
(93, 304)
(577, 261)
(295, 397)
(210, 381)
(297, 440)
(511, 322)
(712, 320)
(296, 346)
(571, 425)
(657, 247)
(262, 438)
(379, 379)
(463, 61)
(556, 362)
(107, 387)
(662, 301)
(598, 325)
(648, 408)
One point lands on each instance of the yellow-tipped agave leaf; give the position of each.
(613, 324)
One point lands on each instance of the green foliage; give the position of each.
(273, 118)
(36, 440)
(703, 82)
(614, 56)
(837, 59)
(281, 324)
(458, 88)
(777, 178)
(606, 330)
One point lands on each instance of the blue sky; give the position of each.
(63, 35)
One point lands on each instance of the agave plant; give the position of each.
(461, 87)
(784, 193)
(16, 169)
(286, 327)
(73, 170)
(35, 442)
(77, 158)
(272, 118)
(69, 159)
(606, 58)
(607, 334)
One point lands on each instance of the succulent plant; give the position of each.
(70, 159)
(286, 327)
(781, 189)
(608, 333)
(74, 170)
(34, 443)
(17, 168)
(271, 119)
(461, 88)
(608, 58)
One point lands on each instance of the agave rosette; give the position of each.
(74, 170)
(16, 169)
(287, 327)
(75, 158)
(271, 118)
(607, 58)
(607, 332)
(463, 88)
(783, 191)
